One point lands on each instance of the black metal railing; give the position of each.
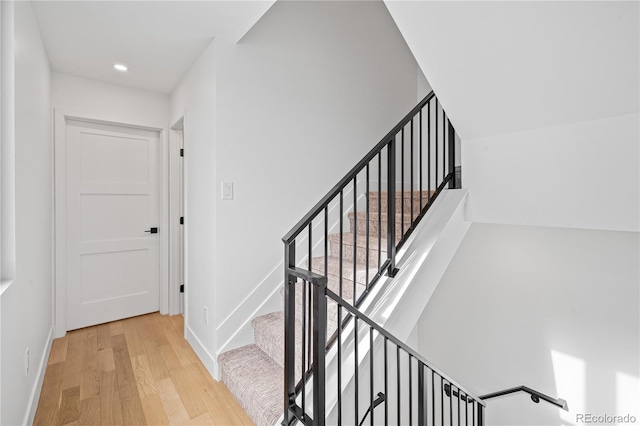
(383, 198)
(376, 369)
(534, 394)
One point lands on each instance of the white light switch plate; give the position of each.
(227, 190)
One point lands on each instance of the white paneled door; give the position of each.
(112, 204)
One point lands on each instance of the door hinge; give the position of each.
(181, 288)
(181, 220)
(181, 152)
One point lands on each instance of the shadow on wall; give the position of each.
(614, 402)
(553, 309)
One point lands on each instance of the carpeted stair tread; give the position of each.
(361, 241)
(256, 382)
(373, 205)
(333, 269)
(373, 216)
(400, 194)
(360, 252)
(361, 228)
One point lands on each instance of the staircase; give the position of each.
(334, 256)
(254, 373)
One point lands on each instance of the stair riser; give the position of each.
(361, 252)
(273, 348)
(347, 272)
(384, 208)
(361, 228)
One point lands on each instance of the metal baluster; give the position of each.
(371, 373)
(459, 392)
(340, 358)
(309, 306)
(410, 392)
(429, 152)
(304, 343)
(326, 240)
(366, 280)
(444, 144)
(442, 400)
(466, 410)
(341, 244)
(433, 398)
(310, 255)
(452, 156)
(473, 408)
(411, 181)
(450, 404)
(436, 146)
(422, 403)
(420, 155)
(391, 207)
(357, 383)
(399, 383)
(355, 236)
(386, 383)
(380, 212)
(402, 186)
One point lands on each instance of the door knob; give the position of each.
(152, 231)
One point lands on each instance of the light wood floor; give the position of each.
(138, 371)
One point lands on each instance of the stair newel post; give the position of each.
(289, 332)
(480, 415)
(452, 156)
(319, 350)
(391, 207)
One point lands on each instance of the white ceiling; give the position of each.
(507, 66)
(157, 40)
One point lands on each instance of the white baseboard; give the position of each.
(235, 330)
(208, 360)
(34, 398)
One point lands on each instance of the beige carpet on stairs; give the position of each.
(254, 373)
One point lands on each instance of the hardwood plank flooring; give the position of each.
(136, 371)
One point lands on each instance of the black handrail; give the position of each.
(535, 396)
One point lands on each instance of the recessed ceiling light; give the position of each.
(120, 67)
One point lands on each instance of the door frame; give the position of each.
(61, 116)
(177, 207)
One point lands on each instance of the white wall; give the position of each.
(308, 91)
(581, 175)
(27, 315)
(98, 98)
(553, 309)
(501, 67)
(195, 99)
(304, 95)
